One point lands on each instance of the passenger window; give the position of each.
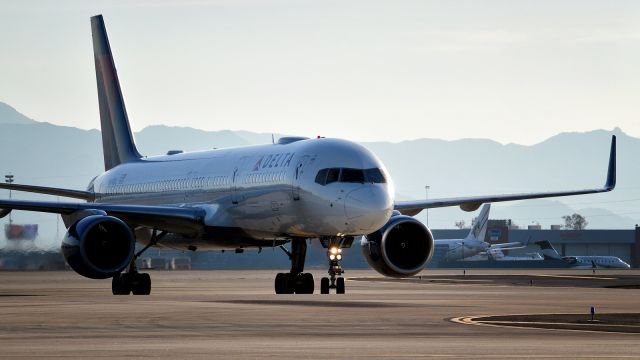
(352, 176)
(333, 175)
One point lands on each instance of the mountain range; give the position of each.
(41, 153)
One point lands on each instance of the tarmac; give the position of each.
(235, 314)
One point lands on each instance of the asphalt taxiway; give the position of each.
(234, 314)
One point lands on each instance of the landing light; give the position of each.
(332, 257)
(334, 250)
(339, 257)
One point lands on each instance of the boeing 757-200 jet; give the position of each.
(328, 190)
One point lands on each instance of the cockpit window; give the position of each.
(352, 176)
(322, 176)
(348, 175)
(374, 176)
(333, 175)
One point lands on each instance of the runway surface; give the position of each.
(234, 314)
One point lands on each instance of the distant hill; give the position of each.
(9, 115)
(45, 154)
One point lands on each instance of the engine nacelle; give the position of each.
(401, 248)
(98, 246)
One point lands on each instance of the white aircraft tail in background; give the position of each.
(479, 229)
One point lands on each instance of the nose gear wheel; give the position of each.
(334, 255)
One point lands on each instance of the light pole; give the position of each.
(426, 190)
(9, 180)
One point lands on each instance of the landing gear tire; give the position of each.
(131, 282)
(141, 284)
(288, 283)
(283, 284)
(119, 286)
(340, 286)
(324, 285)
(305, 284)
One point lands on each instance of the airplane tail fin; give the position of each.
(479, 229)
(548, 252)
(117, 139)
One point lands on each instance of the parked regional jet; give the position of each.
(582, 262)
(498, 255)
(247, 197)
(473, 244)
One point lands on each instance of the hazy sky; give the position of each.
(514, 71)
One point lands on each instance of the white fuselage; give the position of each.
(259, 193)
(498, 254)
(588, 262)
(458, 249)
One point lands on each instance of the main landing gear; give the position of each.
(295, 281)
(133, 282)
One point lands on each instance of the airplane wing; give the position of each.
(168, 218)
(413, 208)
(508, 246)
(76, 194)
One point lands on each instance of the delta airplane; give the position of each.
(473, 244)
(582, 262)
(298, 189)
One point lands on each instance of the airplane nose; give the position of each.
(368, 208)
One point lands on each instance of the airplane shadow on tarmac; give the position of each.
(319, 303)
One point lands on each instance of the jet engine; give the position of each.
(98, 246)
(400, 248)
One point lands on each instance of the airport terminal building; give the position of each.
(624, 244)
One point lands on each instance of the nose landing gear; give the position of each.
(334, 254)
(334, 269)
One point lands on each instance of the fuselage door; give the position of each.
(297, 176)
(236, 180)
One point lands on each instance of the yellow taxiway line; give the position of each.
(471, 320)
